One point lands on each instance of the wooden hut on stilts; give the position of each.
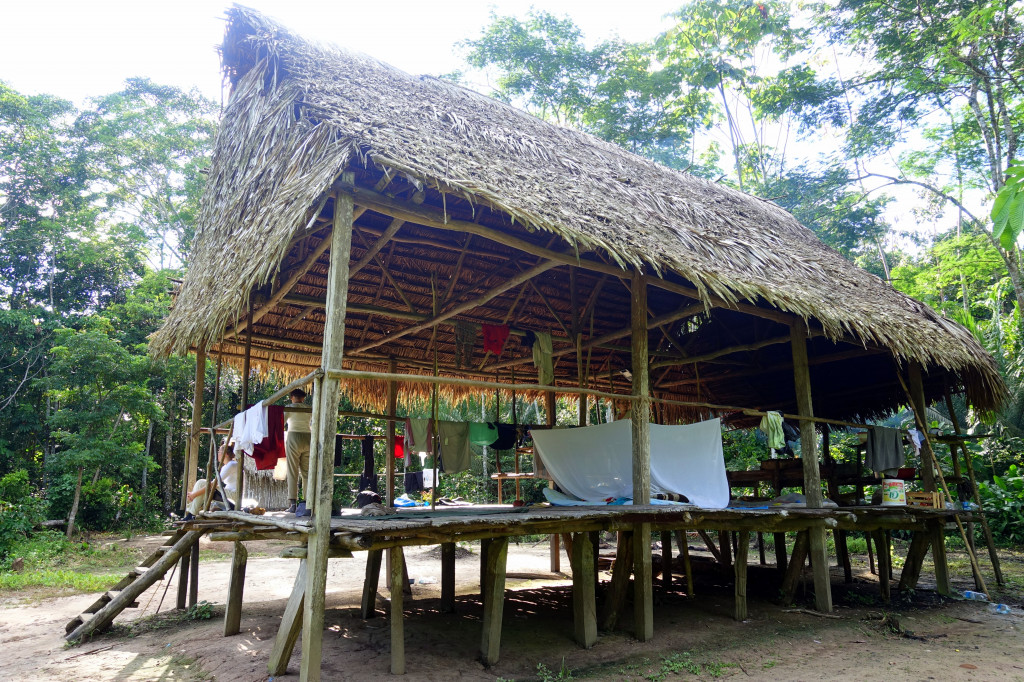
(356, 218)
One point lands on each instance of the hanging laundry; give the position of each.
(529, 338)
(916, 438)
(495, 336)
(771, 425)
(419, 434)
(428, 478)
(413, 482)
(542, 358)
(482, 434)
(453, 442)
(270, 449)
(339, 450)
(253, 428)
(465, 339)
(884, 449)
(399, 447)
(508, 434)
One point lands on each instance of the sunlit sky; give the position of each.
(81, 48)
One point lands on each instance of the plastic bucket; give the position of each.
(894, 494)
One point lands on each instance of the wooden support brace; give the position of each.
(914, 561)
(724, 547)
(584, 595)
(448, 577)
(397, 624)
(795, 568)
(183, 575)
(666, 559)
(780, 551)
(367, 608)
(843, 554)
(291, 626)
(193, 578)
(236, 588)
(938, 538)
(712, 547)
(684, 547)
(494, 600)
(615, 597)
(742, 546)
(643, 592)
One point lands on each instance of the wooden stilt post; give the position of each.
(915, 558)
(742, 546)
(584, 595)
(192, 452)
(389, 454)
(684, 547)
(779, 539)
(193, 577)
(494, 600)
(291, 625)
(325, 404)
(551, 417)
(236, 589)
(724, 548)
(882, 552)
(666, 559)
(183, 574)
(843, 554)
(640, 413)
(368, 606)
(817, 549)
(397, 622)
(448, 577)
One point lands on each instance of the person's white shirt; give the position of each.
(229, 476)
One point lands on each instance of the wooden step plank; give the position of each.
(105, 616)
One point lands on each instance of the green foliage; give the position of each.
(1003, 502)
(1008, 209)
(57, 578)
(544, 674)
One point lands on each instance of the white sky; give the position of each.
(81, 48)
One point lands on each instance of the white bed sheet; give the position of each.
(596, 462)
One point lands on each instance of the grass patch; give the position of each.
(64, 579)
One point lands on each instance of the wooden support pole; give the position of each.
(584, 594)
(368, 606)
(448, 577)
(818, 550)
(779, 540)
(938, 538)
(494, 600)
(550, 415)
(183, 575)
(640, 410)
(724, 548)
(795, 568)
(192, 453)
(884, 559)
(389, 451)
(684, 547)
(918, 405)
(397, 623)
(666, 559)
(291, 625)
(193, 577)
(742, 546)
(615, 595)
(321, 464)
(236, 590)
(643, 592)
(843, 554)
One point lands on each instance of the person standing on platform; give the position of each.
(296, 446)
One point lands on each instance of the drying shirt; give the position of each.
(267, 451)
(413, 482)
(454, 445)
(495, 336)
(254, 428)
(298, 422)
(417, 434)
(508, 435)
(771, 424)
(884, 449)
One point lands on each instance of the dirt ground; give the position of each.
(939, 640)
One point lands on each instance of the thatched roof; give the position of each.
(301, 114)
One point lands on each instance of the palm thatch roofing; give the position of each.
(465, 195)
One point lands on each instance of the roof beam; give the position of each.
(541, 267)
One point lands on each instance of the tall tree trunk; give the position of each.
(74, 505)
(149, 445)
(168, 460)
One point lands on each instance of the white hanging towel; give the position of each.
(596, 462)
(253, 428)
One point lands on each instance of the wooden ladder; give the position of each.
(123, 595)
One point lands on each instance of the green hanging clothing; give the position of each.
(771, 424)
(482, 434)
(542, 358)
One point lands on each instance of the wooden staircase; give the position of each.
(124, 594)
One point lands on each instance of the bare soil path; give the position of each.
(694, 638)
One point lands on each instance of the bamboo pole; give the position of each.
(640, 414)
(926, 446)
(192, 453)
